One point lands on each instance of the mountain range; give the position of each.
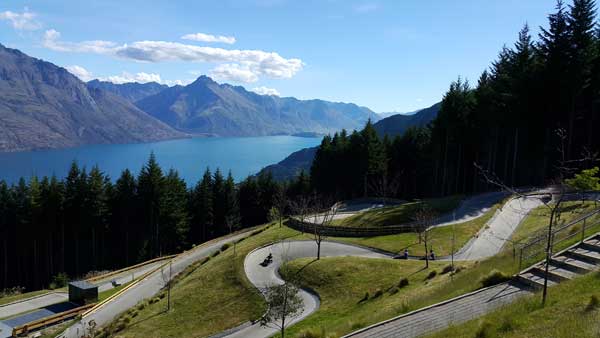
(131, 91)
(207, 107)
(44, 106)
(399, 123)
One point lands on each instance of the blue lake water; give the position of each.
(242, 155)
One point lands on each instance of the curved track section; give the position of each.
(282, 252)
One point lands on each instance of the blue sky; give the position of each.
(395, 55)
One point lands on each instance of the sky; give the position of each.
(394, 55)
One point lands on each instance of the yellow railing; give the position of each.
(41, 323)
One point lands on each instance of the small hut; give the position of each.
(83, 292)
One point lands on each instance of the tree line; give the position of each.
(85, 222)
(506, 124)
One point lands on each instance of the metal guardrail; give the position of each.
(561, 234)
(51, 320)
(113, 273)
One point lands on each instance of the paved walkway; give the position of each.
(440, 316)
(489, 242)
(33, 303)
(471, 208)
(262, 277)
(146, 288)
(494, 235)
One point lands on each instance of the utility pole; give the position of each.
(453, 241)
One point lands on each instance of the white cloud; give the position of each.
(245, 65)
(126, 77)
(178, 82)
(51, 41)
(21, 21)
(234, 72)
(266, 91)
(82, 73)
(209, 38)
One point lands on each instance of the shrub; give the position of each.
(459, 269)
(256, 232)
(216, 253)
(394, 290)
(315, 333)
(60, 280)
(240, 240)
(593, 304)
(484, 330)
(431, 275)
(225, 246)
(446, 269)
(365, 298)
(126, 319)
(378, 293)
(403, 282)
(493, 278)
(356, 325)
(507, 325)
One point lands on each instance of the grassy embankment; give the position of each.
(219, 290)
(342, 282)
(573, 310)
(215, 295)
(399, 214)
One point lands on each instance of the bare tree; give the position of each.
(280, 204)
(167, 277)
(383, 187)
(301, 208)
(424, 218)
(554, 196)
(322, 216)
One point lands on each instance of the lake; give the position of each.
(242, 155)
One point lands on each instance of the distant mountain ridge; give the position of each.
(399, 123)
(292, 165)
(44, 106)
(131, 91)
(206, 107)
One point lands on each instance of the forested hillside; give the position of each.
(537, 98)
(85, 222)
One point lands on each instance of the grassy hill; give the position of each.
(572, 310)
(214, 295)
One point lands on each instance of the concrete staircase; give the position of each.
(576, 260)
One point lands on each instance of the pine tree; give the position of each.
(201, 209)
(150, 192)
(174, 220)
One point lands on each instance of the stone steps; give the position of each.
(568, 264)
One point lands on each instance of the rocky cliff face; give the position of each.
(44, 106)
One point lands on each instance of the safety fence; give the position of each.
(51, 320)
(537, 247)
